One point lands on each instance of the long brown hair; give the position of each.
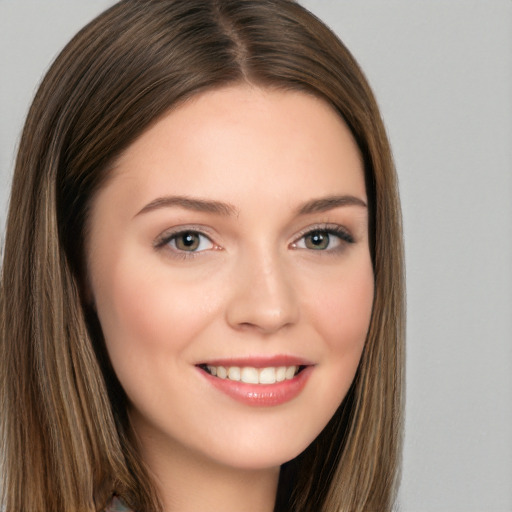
(65, 438)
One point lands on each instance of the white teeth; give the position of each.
(267, 376)
(290, 372)
(280, 373)
(250, 375)
(234, 373)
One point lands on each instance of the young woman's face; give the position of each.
(232, 239)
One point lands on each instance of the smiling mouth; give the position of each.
(251, 375)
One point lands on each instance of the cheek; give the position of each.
(146, 316)
(341, 310)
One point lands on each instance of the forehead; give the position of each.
(225, 141)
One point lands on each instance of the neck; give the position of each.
(190, 482)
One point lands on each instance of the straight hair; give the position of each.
(66, 441)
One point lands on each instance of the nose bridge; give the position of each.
(264, 297)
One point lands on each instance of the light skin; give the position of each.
(269, 188)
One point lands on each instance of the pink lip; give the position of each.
(259, 361)
(262, 395)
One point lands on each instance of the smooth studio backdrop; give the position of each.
(442, 73)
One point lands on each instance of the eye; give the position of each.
(317, 240)
(188, 241)
(325, 239)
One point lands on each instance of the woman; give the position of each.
(202, 293)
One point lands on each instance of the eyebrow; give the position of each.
(188, 203)
(209, 206)
(328, 203)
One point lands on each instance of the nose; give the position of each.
(264, 298)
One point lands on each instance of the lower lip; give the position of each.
(262, 395)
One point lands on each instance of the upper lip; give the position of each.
(258, 361)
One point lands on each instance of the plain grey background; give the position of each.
(442, 73)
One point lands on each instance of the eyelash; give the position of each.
(165, 240)
(339, 232)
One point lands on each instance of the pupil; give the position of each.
(187, 241)
(318, 240)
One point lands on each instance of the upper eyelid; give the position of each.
(168, 234)
(327, 226)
